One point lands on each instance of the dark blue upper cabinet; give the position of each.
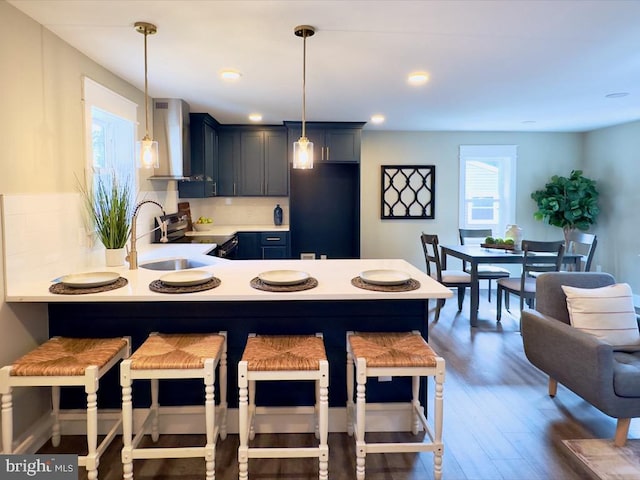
(204, 158)
(333, 142)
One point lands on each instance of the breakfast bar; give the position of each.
(332, 307)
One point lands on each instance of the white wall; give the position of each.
(612, 157)
(540, 155)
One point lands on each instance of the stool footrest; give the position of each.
(170, 452)
(284, 452)
(402, 447)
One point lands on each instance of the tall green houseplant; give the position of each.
(569, 203)
(110, 206)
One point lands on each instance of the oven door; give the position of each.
(228, 249)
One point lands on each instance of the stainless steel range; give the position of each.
(177, 227)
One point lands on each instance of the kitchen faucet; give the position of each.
(132, 255)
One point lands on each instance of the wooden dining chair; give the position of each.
(537, 257)
(485, 271)
(583, 244)
(449, 278)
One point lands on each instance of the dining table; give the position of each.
(476, 254)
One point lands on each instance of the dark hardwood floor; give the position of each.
(499, 422)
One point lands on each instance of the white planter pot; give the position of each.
(114, 257)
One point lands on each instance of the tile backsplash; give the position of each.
(48, 233)
(239, 210)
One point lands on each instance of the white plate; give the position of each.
(186, 278)
(283, 277)
(385, 277)
(89, 279)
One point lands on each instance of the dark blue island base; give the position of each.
(332, 318)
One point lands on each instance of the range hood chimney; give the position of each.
(171, 131)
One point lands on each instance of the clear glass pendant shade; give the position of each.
(147, 153)
(303, 153)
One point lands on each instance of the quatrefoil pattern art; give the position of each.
(408, 192)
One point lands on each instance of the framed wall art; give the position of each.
(408, 192)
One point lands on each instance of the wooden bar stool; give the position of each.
(175, 356)
(393, 355)
(283, 357)
(61, 362)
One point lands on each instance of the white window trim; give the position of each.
(466, 152)
(95, 94)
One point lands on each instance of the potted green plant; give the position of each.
(569, 203)
(110, 206)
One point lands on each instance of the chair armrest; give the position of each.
(579, 361)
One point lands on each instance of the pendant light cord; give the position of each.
(304, 81)
(146, 87)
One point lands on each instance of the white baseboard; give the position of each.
(388, 417)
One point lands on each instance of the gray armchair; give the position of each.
(608, 379)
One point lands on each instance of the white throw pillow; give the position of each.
(605, 312)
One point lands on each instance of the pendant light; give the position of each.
(146, 149)
(303, 148)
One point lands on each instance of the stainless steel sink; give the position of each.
(172, 264)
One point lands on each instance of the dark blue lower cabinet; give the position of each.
(239, 318)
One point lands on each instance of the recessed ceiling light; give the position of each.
(230, 75)
(255, 117)
(418, 78)
(617, 95)
(377, 119)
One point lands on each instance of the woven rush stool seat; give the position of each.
(175, 356)
(393, 354)
(63, 361)
(283, 357)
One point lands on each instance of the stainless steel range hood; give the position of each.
(171, 131)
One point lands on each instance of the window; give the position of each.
(110, 122)
(487, 186)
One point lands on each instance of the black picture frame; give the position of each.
(408, 192)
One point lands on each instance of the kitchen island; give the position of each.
(333, 307)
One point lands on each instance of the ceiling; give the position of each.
(515, 65)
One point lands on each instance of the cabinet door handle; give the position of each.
(234, 188)
(214, 189)
(327, 154)
(272, 239)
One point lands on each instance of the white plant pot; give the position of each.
(114, 257)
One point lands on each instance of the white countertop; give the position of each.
(233, 229)
(334, 280)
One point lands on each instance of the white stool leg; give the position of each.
(91, 388)
(243, 427)
(361, 447)
(252, 409)
(155, 409)
(316, 411)
(210, 419)
(415, 404)
(438, 414)
(127, 420)
(350, 404)
(55, 415)
(7, 411)
(222, 380)
(324, 420)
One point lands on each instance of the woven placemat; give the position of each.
(161, 287)
(403, 287)
(298, 287)
(62, 289)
